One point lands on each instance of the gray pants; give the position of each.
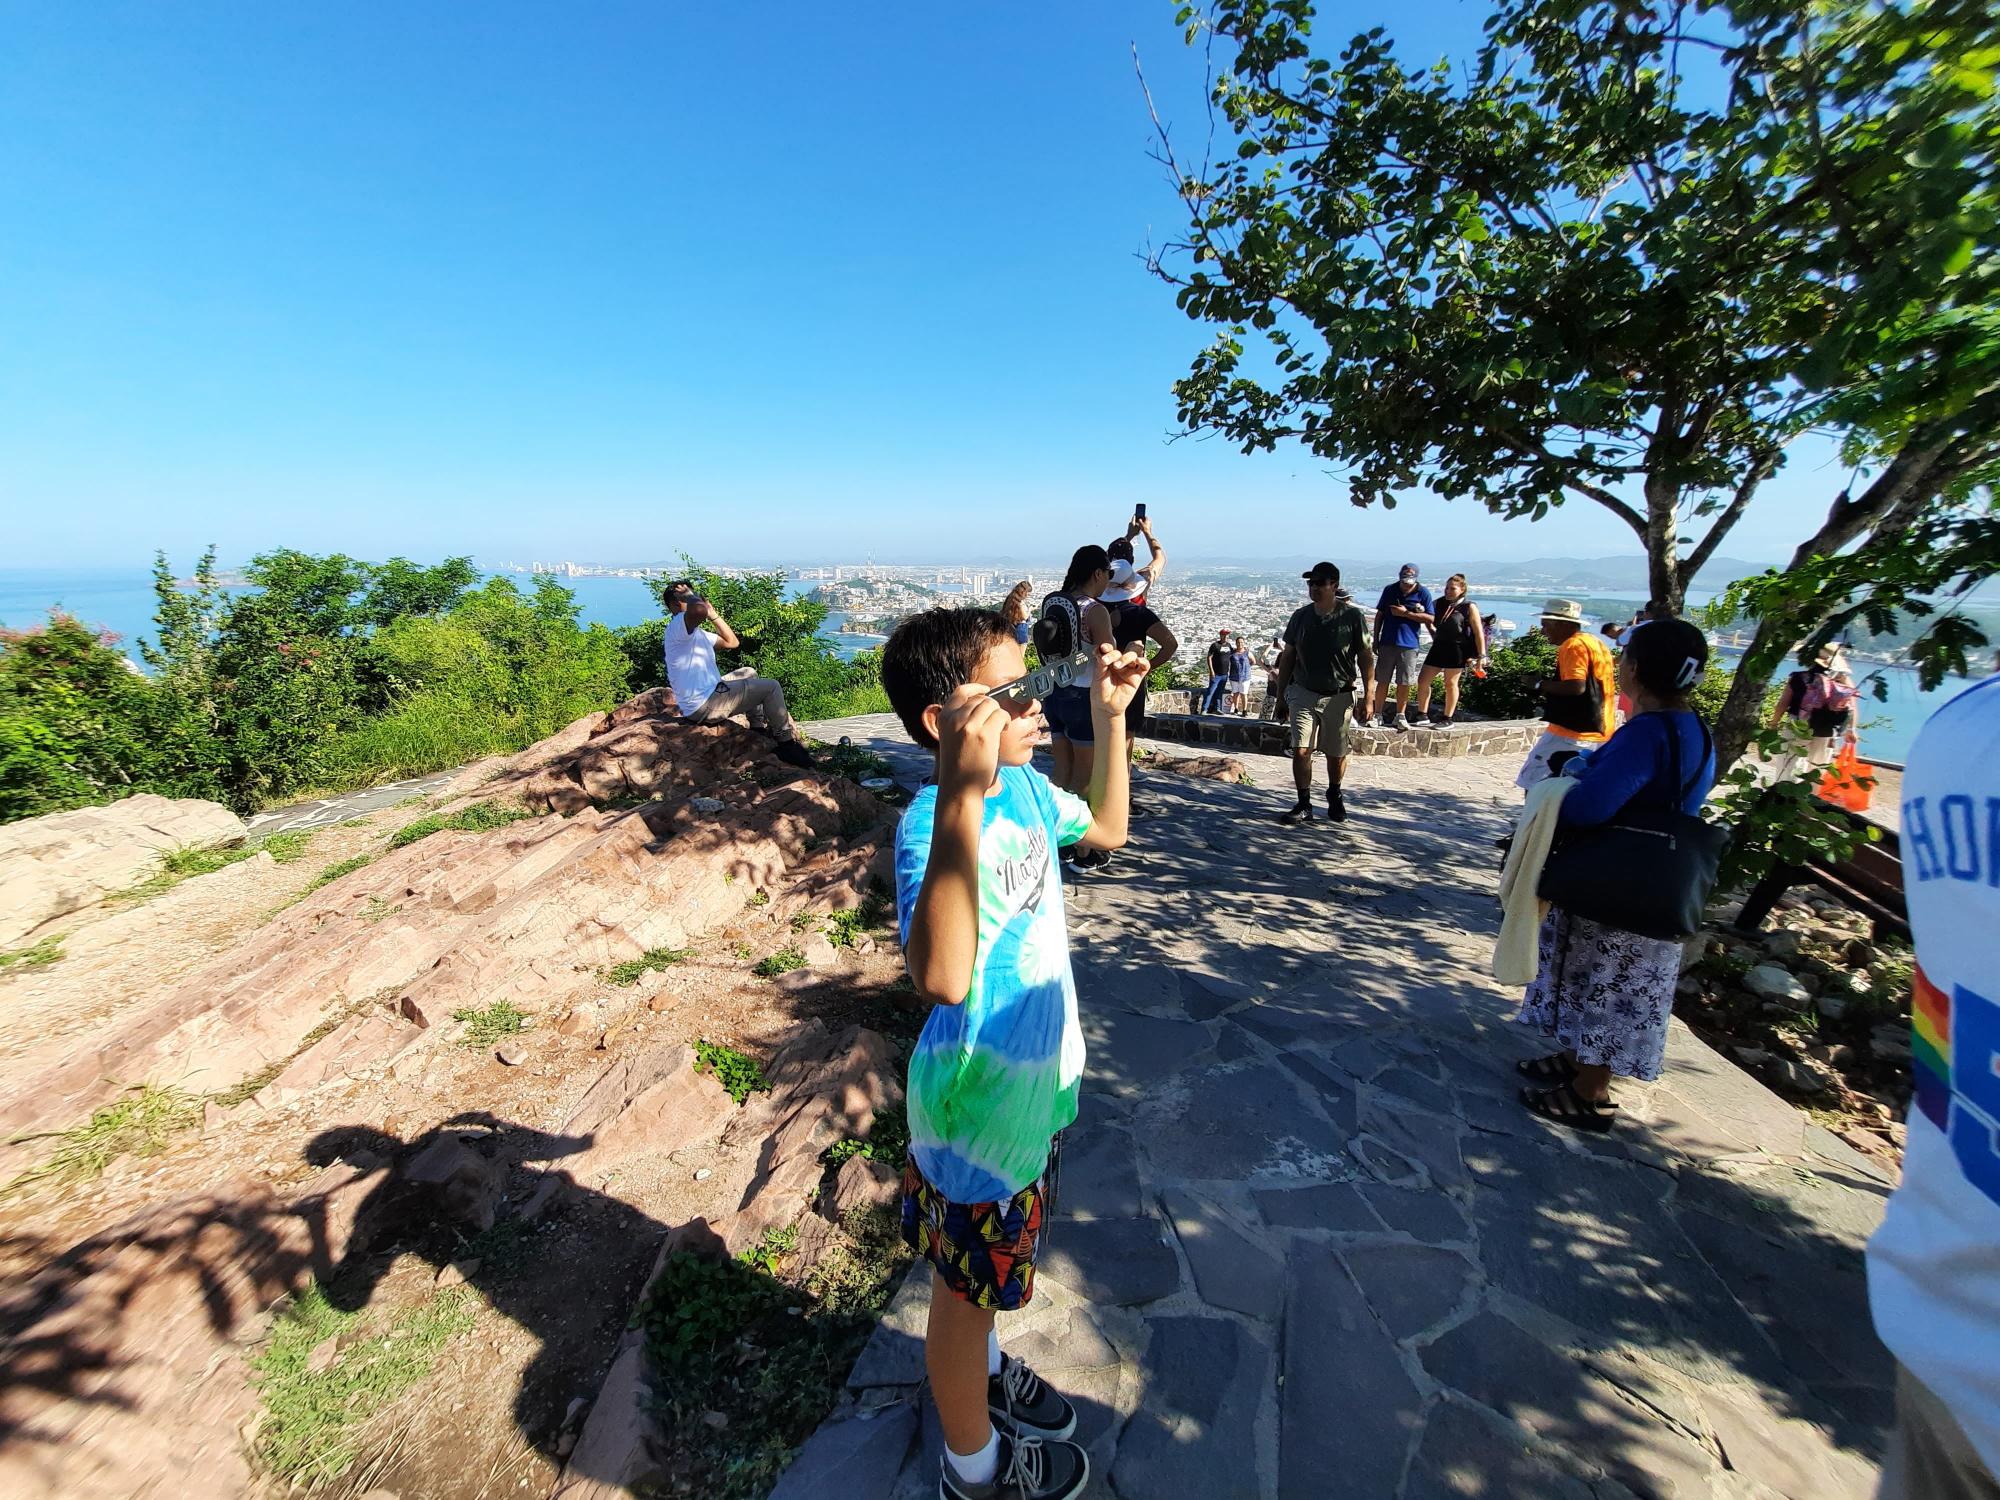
(1929, 1457)
(759, 699)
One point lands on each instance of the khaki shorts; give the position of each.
(1929, 1455)
(1309, 713)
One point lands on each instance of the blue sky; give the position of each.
(615, 280)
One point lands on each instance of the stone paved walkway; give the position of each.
(1309, 1245)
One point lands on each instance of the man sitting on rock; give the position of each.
(704, 695)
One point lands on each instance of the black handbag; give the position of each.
(1650, 870)
(1582, 712)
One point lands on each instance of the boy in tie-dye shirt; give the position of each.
(995, 1073)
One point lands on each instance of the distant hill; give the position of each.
(1624, 573)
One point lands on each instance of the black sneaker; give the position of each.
(792, 753)
(1021, 1400)
(1029, 1470)
(1336, 807)
(1298, 812)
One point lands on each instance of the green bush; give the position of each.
(737, 1072)
(73, 723)
(1508, 689)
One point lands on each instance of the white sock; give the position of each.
(992, 1352)
(980, 1467)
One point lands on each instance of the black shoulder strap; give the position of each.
(1707, 748)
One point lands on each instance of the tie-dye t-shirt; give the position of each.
(993, 1078)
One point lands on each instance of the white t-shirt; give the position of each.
(1934, 1265)
(690, 664)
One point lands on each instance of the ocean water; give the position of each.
(122, 602)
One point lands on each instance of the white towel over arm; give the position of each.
(1515, 959)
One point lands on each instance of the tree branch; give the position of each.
(1731, 514)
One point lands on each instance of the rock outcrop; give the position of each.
(64, 862)
(641, 834)
(529, 914)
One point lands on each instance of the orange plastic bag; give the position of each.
(1848, 783)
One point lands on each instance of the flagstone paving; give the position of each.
(1308, 1244)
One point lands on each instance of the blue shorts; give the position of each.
(1068, 711)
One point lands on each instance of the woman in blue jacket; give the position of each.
(1602, 994)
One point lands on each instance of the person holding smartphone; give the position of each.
(1120, 549)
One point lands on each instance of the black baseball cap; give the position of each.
(1321, 572)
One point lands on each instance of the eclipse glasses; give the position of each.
(1045, 679)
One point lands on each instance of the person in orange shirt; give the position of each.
(1579, 700)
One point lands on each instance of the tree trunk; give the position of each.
(1664, 585)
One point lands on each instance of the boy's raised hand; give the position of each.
(968, 731)
(1120, 675)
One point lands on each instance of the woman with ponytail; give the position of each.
(1072, 748)
(1603, 994)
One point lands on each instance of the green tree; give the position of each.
(1629, 255)
(184, 719)
(779, 638)
(399, 589)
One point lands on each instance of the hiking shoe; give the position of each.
(1336, 807)
(1020, 1399)
(1029, 1470)
(1298, 812)
(792, 753)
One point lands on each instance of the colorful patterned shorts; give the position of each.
(984, 1251)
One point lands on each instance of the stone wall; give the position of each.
(1168, 718)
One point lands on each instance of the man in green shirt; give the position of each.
(1326, 659)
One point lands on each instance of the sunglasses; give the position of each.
(1045, 679)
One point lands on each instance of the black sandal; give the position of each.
(1555, 1068)
(1565, 1106)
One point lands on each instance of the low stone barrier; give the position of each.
(1168, 718)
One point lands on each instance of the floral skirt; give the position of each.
(1603, 993)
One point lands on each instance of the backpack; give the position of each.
(1823, 695)
(1059, 631)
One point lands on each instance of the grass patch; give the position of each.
(802, 921)
(635, 969)
(771, 965)
(285, 848)
(480, 817)
(377, 909)
(888, 1141)
(36, 956)
(736, 1071)
(177, 865)
(140, 1123)
(768, 1353)
(760, 898)
(333, 872)
(742, 950)
(485, 1027)
(313, 1421)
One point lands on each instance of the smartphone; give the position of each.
(1139, 511)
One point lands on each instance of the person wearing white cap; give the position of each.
(1580, 700)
